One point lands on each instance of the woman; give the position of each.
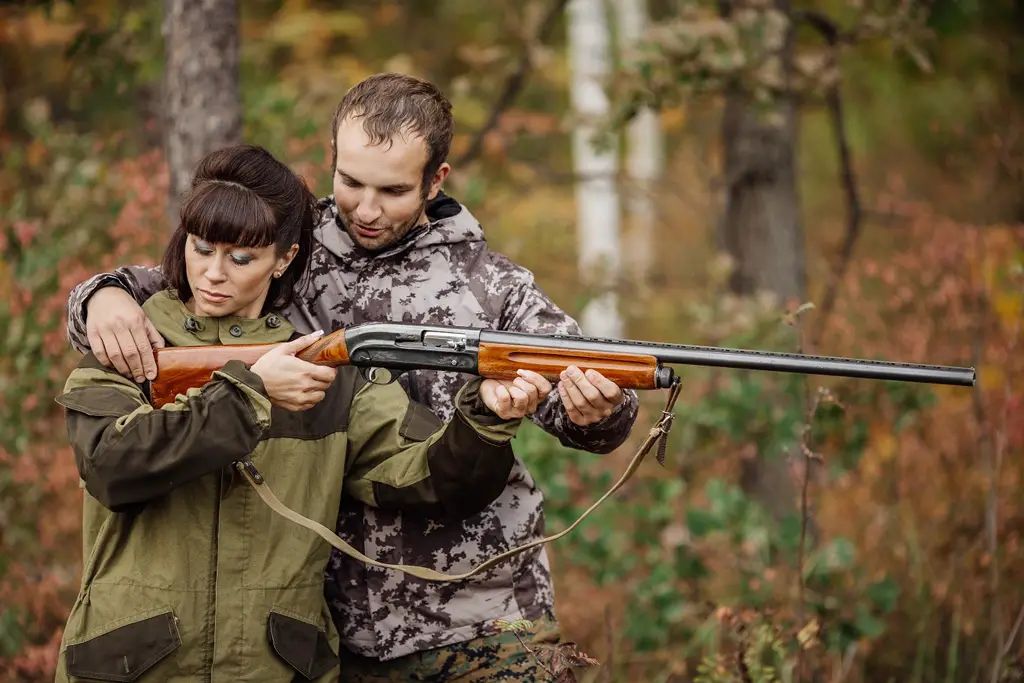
(188, 576)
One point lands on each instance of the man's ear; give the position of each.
(438, 179)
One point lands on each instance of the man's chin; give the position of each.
(379, 243)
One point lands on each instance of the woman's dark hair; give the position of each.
(243, 195)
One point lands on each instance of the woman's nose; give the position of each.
(216, 272)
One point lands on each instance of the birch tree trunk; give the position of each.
(762, 230)
(597, 199)
(202, 98)
(644, 159)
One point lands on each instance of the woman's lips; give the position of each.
(214, 297)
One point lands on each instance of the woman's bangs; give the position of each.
(225, 213)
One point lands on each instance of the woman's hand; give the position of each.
(290, 382)
(516, 398)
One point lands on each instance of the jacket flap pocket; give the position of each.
(126, 652)
(98, 401)
(301, 644)
(419, 422)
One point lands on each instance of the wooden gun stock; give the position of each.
(180, 368)
(628, 371)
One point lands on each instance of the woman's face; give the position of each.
(230, 280)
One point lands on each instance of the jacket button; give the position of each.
(273, 322)
(191, 324)
(235, 331)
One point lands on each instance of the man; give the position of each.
(392, 246)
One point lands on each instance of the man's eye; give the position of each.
(397, 192)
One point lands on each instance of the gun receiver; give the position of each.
(382, 351)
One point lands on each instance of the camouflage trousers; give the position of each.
(499, 657)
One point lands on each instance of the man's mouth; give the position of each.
(364, 231)
(213, 297)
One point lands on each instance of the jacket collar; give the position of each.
(180, 327)
(450, 223)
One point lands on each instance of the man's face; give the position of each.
(379, 188)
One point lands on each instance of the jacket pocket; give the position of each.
(419, 423)
(126, 652)
(301, 644)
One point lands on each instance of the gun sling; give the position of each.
(658, 434)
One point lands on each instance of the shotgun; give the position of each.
(383, 351)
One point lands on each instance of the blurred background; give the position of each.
(832, 176)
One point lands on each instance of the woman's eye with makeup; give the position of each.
(241, 259)
(201, 248)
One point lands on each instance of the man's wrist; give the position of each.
(102, 282)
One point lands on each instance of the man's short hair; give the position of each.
(393, 103)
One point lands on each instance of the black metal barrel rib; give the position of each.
(404, 346)
(742, 359)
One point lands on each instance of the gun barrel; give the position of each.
(682, 354)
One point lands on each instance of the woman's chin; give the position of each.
(208, 309)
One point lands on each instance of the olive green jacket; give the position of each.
(188, 575)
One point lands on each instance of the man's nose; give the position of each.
(368, 209)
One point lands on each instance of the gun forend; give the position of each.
(627, 370)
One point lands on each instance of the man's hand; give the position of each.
(120, 334)
(588, 398)
(517, 398)
(290, 382)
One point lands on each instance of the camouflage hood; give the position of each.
(450, 223)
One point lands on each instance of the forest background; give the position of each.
(802, 528)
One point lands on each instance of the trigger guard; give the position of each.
(375, 375)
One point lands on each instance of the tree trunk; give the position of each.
(202, 98)
(643, 160)
(597, 198)
(761, 229)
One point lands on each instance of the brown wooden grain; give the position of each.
(628, 371)
(329, 350)
(180, 368)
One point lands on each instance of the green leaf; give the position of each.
(883, 594)
(868, 625)
(789, 532)
(11, 636)
(701, 522)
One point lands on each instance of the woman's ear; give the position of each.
(285, 260)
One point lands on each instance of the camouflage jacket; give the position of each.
(442, 273)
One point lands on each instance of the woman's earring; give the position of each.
(277, 274)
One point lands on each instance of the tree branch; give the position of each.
(515, 82)
(834, 102)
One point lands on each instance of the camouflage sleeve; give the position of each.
(404, 458)
(141, 282)
(528, 309)
(128, 452)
